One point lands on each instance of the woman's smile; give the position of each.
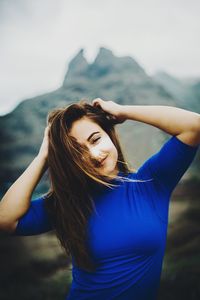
(103, 161)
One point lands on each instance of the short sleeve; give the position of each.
(35, 221)
(169, 164)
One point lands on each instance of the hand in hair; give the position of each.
(110, 107)
(45, 144)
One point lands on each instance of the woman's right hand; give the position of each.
(45, 144)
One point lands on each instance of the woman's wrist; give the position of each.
(42, 158)
(122, 113)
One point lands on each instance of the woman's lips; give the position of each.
(103, 161)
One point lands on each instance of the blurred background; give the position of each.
(55, 52)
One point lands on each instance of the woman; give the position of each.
(110, 219)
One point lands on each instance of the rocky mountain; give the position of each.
(109, 77)
(186, 92)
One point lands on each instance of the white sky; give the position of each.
(38, 38)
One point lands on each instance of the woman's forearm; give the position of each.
(170, 119)
(17, 199)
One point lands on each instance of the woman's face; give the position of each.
(100, 146)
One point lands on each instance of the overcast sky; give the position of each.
(38, 38)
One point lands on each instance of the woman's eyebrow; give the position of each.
(91, 135)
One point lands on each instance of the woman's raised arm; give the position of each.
(17, 199)
(176, 121)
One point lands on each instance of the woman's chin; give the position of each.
(109, 170)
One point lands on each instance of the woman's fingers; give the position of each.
(97, 102)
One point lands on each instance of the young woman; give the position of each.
(109, 218)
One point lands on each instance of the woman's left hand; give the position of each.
(110, 107)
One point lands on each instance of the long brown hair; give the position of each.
(72, 174)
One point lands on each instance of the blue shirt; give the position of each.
(128, 231)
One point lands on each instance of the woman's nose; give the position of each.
(97, 154)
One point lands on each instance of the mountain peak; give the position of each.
(77, 66)
(106, 62)
(104, 53)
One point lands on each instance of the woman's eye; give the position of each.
(94, 141)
